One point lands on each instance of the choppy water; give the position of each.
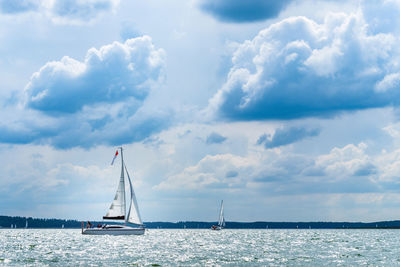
(30, 247)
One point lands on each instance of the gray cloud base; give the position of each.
(215, 138)
(240, 11)
(286, 135)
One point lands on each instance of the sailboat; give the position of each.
(117, 210)
(221, 220)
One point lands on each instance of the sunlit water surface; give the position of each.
(34, 247)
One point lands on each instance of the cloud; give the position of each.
(243, 11)
(299, 68)
(215, 138)
(345, 169)
(231, 174)
(98, 101)
(129, 30)
(349, 161)
(285, 136)
(381, 16)
(78, 10)
(15, 7)
(113, 73)
(61, 11)
(79, 130)
(389, 168)
(219, 171)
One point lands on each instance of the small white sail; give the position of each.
(133, 213)
(221, 220)
(117, 208)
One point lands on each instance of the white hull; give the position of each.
(124, 230)
(216, 228)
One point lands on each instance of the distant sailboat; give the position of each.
(26, 224)
(117, 210)
(221, 219)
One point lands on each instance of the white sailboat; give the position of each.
(117, 210)
(221, 219)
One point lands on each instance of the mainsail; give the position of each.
(117, 208)
(221, 220)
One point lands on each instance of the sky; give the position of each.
(287, 110)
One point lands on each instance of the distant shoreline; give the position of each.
(344, 229)
(43, 223)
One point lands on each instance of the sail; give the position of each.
(221, 220)
(133, 213)
(117, 208)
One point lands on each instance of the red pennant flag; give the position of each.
(115, 156)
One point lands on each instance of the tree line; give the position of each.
(21, 222)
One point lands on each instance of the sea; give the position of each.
(201, 247)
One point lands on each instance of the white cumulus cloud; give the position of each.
(300, 68)
(100, 100)
(111, 74)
